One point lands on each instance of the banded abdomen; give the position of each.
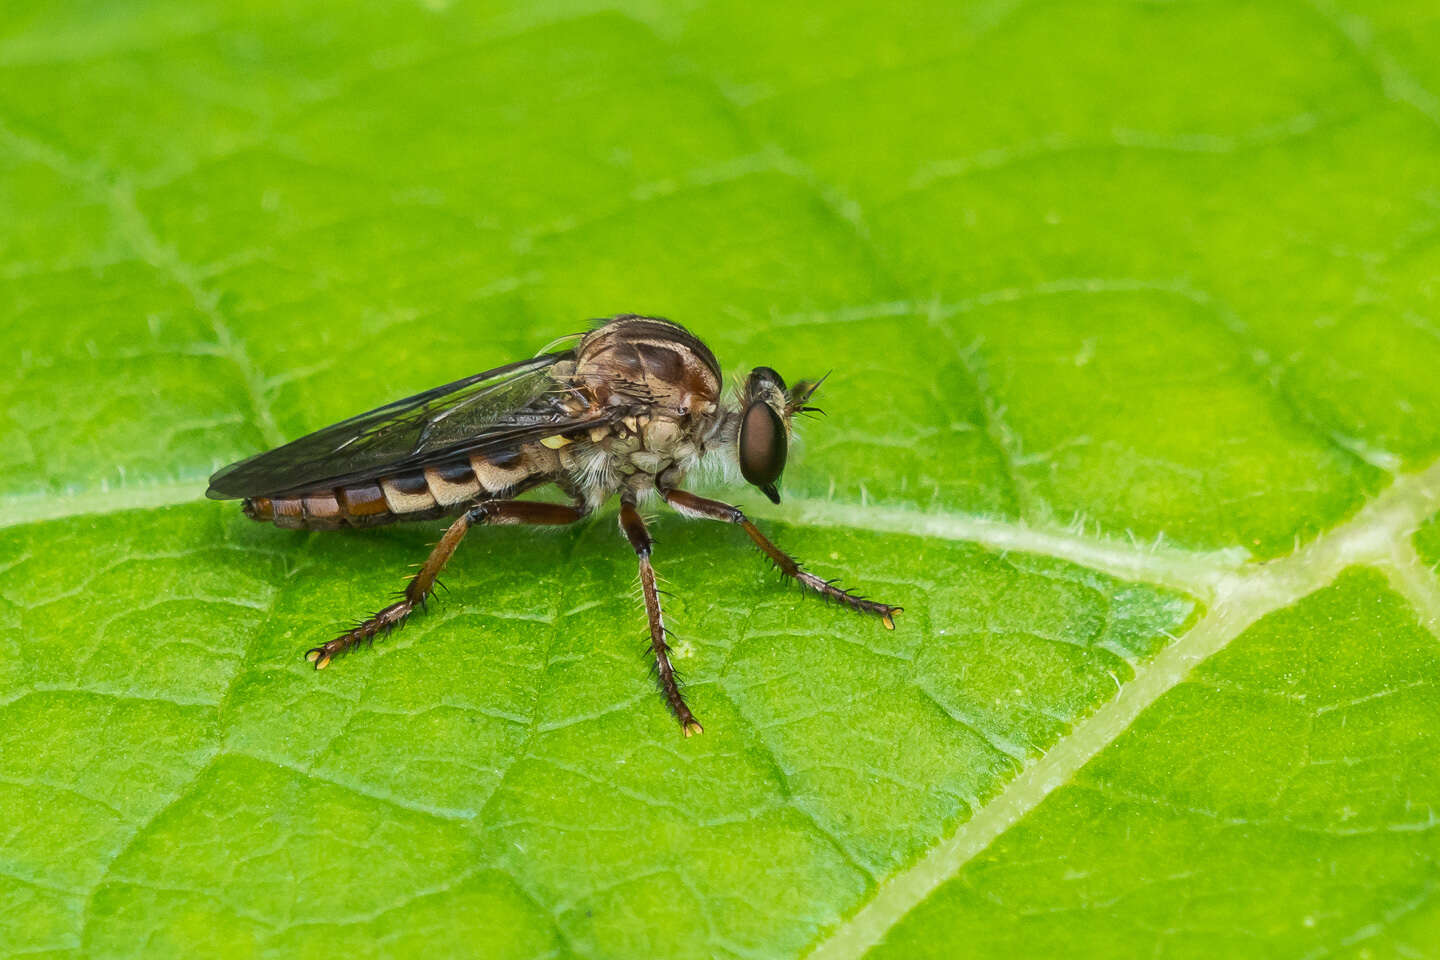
(421, 494)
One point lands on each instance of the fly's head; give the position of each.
(767, 409)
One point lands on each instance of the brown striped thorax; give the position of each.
(635, 405)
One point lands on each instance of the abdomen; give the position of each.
(421, 494)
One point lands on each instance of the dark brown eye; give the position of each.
(762, 447)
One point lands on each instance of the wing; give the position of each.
(500, 408)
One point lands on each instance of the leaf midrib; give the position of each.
(1192, 571)
(1378, 535)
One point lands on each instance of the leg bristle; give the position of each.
(418, 591)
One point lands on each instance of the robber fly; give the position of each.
(631, 408)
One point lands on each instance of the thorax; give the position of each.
(666, 386)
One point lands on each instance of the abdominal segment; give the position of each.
(421, 494)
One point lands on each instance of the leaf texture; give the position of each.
(1132, 321)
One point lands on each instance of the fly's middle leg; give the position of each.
(423, 583)
(639, 537)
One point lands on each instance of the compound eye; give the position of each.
(762, 447)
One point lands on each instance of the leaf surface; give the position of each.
(1132, 320)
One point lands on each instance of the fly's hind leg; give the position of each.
(692, 506)
(639, 537)
(423, 583)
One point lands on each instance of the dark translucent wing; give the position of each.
(499, 408)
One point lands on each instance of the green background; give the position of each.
(1133, 313)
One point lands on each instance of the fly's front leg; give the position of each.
(692, 506)
(634, 527)
(423, 583)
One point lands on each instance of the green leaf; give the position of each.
(1132, 317)
(1280, 754)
